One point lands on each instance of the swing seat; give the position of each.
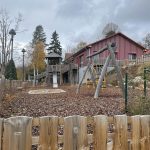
(104, 83)
(89, 83)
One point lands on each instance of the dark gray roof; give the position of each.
(54, 55)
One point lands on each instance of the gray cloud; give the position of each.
(135, 11)
(80, 20)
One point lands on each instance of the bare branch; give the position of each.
(5, 25)
(18, 20)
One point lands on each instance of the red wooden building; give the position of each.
(126, 49)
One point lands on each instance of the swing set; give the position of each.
(111, 47)
(96, 68)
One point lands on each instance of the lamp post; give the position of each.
(23, 51)
(12, 33)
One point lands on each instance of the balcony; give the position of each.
(61, 68)
(53, 68)
(67, 67)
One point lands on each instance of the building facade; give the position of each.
(127, 49)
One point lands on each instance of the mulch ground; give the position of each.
(69, 103)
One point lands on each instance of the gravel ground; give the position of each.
(63, 104)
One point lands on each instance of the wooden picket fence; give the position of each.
(2, 88)
(76, 133)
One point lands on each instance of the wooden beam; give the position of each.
(79, 85)
(101, 77)
(100, 51)
(119, 75)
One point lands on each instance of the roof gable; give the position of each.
(119, 33)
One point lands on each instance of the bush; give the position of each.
(10, 71)
(139, 106)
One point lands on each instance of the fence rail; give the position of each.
(11, 84)
(76, 133)
(16, 83)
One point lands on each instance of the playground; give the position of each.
(97, 96)
(64, 104)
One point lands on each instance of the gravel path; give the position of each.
(63, 104)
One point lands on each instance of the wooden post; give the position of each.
(17, 129)
(75, 133)
(135, 122)
(120, 139)
(70, 74)
(119, 75)
(79, 85)
(78, 74)
(101, 77)
(145, 132)
(100, 132)
(48, 138)
(1, 132)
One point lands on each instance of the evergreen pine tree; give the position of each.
(39, 35)
(10, 72)
(55, 46)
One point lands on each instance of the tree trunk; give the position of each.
(34, 81)
(37, 73)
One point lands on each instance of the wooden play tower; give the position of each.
(53, 71)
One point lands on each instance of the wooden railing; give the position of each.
(53, 68)
(63, 68)
(41, 75)
(68, 67)
(76, 133)
(139, 60)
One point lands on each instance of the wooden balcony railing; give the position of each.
(61, 68)
(53, 68)
(68, 67)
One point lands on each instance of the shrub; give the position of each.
(10, 71)
(139, 106)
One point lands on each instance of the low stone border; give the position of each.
(46, 91)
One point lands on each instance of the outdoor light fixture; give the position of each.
(12, 32)
(23, 51)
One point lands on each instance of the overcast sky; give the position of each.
(79, 20)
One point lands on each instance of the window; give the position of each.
(131, 56)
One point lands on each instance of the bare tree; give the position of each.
(110, 29)
(78, 47)
(146, 41)
(6, 23)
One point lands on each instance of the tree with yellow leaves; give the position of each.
(38, 57)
